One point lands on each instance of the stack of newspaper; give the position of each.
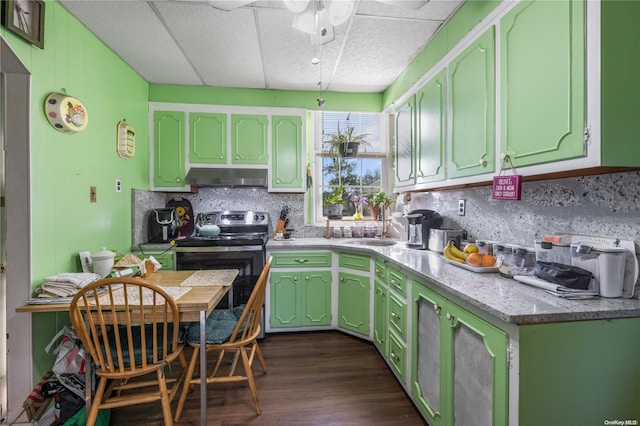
(556, 289)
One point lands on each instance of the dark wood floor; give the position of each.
(314, 378)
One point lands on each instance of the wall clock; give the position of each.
(26, 19)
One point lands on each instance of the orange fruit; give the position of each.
(475, 259)
(488, 260)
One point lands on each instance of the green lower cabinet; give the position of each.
(398, 356)
(166, 259)
(380, 328)
(459, 363)
(353, 302)
(300, 299)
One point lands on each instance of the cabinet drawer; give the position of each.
(381, 270)
(166, 260)
(398, 281)
(398, 315)
(303, 259)
(398, 356)
(355, 261)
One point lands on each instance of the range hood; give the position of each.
(199, 176)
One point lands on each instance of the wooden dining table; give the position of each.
(205, 289)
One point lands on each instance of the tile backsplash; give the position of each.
(600, 205)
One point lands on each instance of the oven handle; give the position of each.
(213, 249)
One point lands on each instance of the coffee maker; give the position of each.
(420, 222)
(163, 225)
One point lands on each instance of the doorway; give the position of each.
(16, 369)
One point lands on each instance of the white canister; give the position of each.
(612, 265)
(103, 261)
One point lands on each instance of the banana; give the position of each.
(456, 251)
(446, 252)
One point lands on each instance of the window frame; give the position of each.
(385, 155)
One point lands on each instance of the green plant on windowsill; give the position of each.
(380, 199)
(333, 204)
(344, 144)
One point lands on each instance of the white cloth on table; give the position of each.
(65, 284)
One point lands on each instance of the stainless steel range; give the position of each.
(240, 245)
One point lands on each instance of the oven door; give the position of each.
(248, 260)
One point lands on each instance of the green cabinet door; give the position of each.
(208, 138)
(249, 139)
(315, 298)
(428, 355)
(477, 371)
(284, 294)
(430, 129)
(287, 152)
(459, 363)
(353, 302)
(404, 149)
(380, 328)
(543, 81)
(471, 97)
(300, 299)
(168, 149)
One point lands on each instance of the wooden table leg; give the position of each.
(203, 370)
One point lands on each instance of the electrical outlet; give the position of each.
(92, 194)
(462, 207)
(118, 185)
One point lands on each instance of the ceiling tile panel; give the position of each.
(222, 46)
(437, 10)
(288, 52)
(132, 30)
(367, 66)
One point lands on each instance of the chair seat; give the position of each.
(219, 326)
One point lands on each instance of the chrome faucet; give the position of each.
(383, 212)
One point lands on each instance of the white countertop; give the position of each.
(503, 298)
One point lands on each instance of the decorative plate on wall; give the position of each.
(65, 114)
(126, 144)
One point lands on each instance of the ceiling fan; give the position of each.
(318, 16)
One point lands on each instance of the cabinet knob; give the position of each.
(277, 180)
(483, 162)
(393, 355)
(341, 279)
(394, 282)
(393, 314)
(178, 180)
(436, 308)
(295, 278)
(237, 157)
(307, 278)
(449, 316)
(220, 157)
(302, 260)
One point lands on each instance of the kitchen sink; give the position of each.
(372, 242)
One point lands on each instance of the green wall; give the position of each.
(338, 101)
(64, 166)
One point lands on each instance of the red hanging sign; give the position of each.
(507, 187)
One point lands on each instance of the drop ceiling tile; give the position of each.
(133, 32)
(222, 46)
(437, 10)
(287, 52)
(365, 65)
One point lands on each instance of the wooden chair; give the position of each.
(242, 343)
(129, 340)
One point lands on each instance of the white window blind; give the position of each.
(327, 122)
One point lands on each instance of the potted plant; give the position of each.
(344, 144)
(380, 199)
(333, 204)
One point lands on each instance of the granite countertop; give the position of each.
(501, 297)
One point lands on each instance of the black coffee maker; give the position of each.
(420, 222)
(163, 225)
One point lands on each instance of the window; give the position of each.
(364, 174)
